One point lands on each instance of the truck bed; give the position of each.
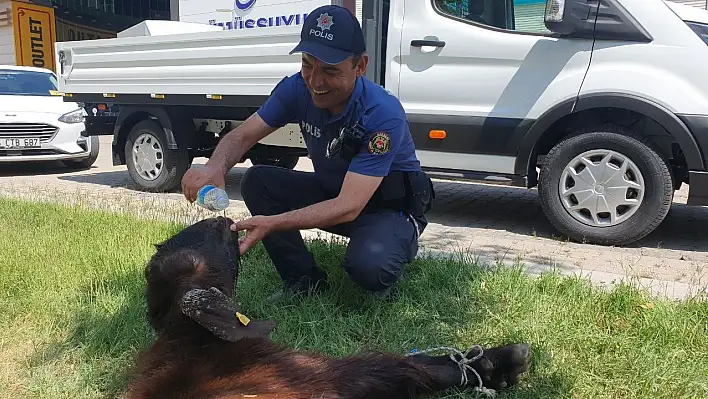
(204, 63)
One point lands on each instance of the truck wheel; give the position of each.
(605, 186)
(152, 166)
(285, 161)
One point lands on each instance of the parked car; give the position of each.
(36, 124)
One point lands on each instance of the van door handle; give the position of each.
(433, 43)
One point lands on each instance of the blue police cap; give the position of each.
(331, 34)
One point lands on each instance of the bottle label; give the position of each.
(202, 193)
(212, 198)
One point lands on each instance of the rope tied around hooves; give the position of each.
(464, 363)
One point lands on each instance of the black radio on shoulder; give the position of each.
(351, 136)
(352, 139)
(349, 142)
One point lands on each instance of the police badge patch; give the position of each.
(325, 21)
(380, 143)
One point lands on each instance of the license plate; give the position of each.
(22, 142)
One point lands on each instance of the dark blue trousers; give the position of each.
(380, 241)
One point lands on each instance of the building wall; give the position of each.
(82, 19)
(7, 41)
(529, 16)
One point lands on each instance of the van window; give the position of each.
(517, 15)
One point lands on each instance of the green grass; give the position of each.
(72, 314)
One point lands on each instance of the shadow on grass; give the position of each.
(106, 332)
(437, 304)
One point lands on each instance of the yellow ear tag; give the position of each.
(243, 319)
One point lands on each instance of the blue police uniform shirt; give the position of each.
(387, 145)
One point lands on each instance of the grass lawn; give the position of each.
(71, 314)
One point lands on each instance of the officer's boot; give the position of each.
(307, 285)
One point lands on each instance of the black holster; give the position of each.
(411, 192)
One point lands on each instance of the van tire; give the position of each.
(171, 164)
(644, 168)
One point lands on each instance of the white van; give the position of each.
(608, 100)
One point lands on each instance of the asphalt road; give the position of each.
(491, 222)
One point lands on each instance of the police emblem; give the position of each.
(380, 143)
(324, 21)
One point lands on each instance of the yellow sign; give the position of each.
(34, 35)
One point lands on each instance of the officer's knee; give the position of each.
(373, 266)
(252, 182)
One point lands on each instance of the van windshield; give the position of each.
(27, 83)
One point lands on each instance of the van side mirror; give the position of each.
(568, 17)
(604, 20)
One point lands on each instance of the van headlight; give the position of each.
(700, 29)
(75, 116)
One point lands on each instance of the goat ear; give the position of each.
(215, 312)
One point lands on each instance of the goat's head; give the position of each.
(191, 281)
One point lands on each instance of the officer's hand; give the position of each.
(257, 228)
(196, 178)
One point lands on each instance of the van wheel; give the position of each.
(605, 186)
(153, 166)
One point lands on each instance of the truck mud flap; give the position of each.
(99, 126)
(698, 188)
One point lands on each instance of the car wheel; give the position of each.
(93, 143)
(151, 165)
(605, 186)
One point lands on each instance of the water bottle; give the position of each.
(213, 198)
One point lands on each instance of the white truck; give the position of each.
(602, 104)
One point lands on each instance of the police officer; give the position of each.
(367, 183)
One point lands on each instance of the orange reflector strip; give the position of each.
(437, 134)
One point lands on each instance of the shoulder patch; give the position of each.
(379, 143)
